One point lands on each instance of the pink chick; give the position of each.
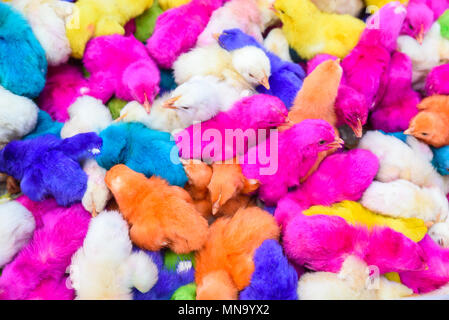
(341, 176)
(65, 83)
(418, 21)
(322, 243)
(435, 275)
(250, 115)
(437, 6)
(399, 102)
(282, 160)
(437, 81)
(40, 266)
(177, 30)
(121, 65)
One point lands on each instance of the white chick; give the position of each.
(47, 19)
(439, 232)
(433, 51)
(105, 266)
(399, 160)
(352, 7)
(278, 44)
(97, 193)
(18, 116)
(239, 14)
(87, 114)
(267, 14)
(244, 68)
(428, 204)
(16, 228)
(351, 283)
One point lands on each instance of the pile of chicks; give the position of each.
(106, 195)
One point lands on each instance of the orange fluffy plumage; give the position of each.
(431, 123)
(160, 215)
(317, 96)
(225, 264)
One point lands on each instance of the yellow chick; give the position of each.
(355, 214)
(310, 31)
(380, 3)
(94, 18)
(168, 4)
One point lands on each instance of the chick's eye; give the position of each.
(322, 142)
(424, 133)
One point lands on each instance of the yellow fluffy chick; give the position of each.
(354, 213)
(380, 3)
(94, 18)
(310, 31)
(168, 4)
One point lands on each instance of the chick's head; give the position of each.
(418, 21)
(142, 79)
(253, 64)
(428, 127)
(317, 135)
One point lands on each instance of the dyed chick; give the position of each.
(341, 176)
(48, 166)
(273, 278)
(276, 173)
(419, 20)
(430, 124)
(436, 81)
(120, 65)
(352, 282)
(286, 77)
(45, 125)
(177, 30)
(16, 229)
(241, 14)
(428, 204)
(160, 215)
(65, 83)
(399, 103)
(141, 149)
(339, 33)
(87, 114)
(225, 264)
(252, 114)
(38, 271)
(23, 65)
(18, 116)
(100, 18)
(105, 268)
(47, 18)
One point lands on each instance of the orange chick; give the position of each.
(225, 264)
(432, 122)
(317, 96)
(159, 215)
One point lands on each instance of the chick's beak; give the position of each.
(409, 131)
(264, 82)
(272, 8)
(420, 36)
(146, 104)
(358, 129)
(336, 144)
(169, 104)
(121, 117)
(216, 36)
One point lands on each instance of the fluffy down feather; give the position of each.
(18, 116)
(97, 193)
(16, 228)
(105, 266)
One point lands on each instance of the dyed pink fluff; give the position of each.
(38, 271)
(64, 84)
(437, 81)
(419, 19)
(436, 273)
(121, 65)
(341, 176)
(399, 103)
(290, 156)
(177, 30)
(257, 114)
(437, 6)
(322, 243)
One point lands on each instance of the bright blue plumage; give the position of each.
(23, 65)
(286, 77)
(143, 150)
(45, 125)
